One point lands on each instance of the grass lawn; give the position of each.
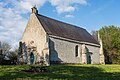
(62, 72)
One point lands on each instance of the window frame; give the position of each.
(76, 51)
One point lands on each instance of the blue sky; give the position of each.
(89, 14)
(93, 16)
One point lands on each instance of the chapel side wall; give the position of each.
(34, 32)
(61, 50)
(94, 51)
(64, 51)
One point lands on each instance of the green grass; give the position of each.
(62, 72)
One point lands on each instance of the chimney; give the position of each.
(34, 10)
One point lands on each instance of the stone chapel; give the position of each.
(53, 41)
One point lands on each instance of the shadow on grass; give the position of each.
(64, 72)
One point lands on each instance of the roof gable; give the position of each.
(65, 30)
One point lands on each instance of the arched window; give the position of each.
(76, 51)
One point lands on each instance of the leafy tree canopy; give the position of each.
(110, 36)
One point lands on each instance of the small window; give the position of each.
(76, 51)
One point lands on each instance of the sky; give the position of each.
(89, 14)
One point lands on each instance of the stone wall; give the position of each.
(34, 36)
(94, 52)
(64, 51)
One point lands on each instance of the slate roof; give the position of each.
(65, 30)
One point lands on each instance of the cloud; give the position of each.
(63, 6)
(12, 22)
(69, 16)
(27, 4)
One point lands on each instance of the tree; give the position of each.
(13, 56)
(1, 56)
(5, 47)
(95, 35)
(7, 56)
(4, 52)
(110, 36)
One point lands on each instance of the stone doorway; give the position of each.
(31, 58)
(88, 55)
(89, 59)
